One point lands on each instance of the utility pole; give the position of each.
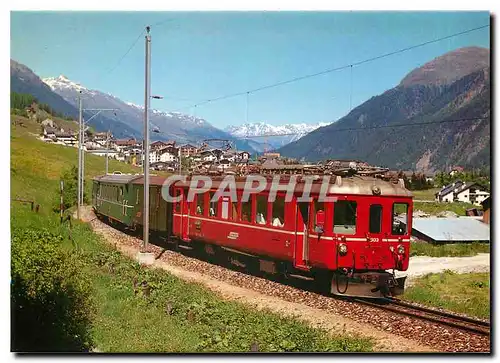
(147, 92)
(79, 153)
(83, 162)
(180, 160)
(107, 149)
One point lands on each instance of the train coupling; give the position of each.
(367, 284)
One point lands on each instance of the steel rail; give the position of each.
(442, 318)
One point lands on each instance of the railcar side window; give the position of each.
(246, 210)
(177, 193)
(344, 217)
(279, 212)
(375, 218)
(261, 210)
(213, 206)
(234, 208)
(200, 204)
(399, 219)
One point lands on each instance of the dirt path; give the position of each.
(334, 323)
(422, 265)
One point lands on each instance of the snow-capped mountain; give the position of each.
(258, 130)
(62, 82)
(171, 125)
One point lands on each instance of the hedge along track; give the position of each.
(441, 317)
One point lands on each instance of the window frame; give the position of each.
(266, 217)
(217, 209)
(393, 215)
(251, 216)
(203, 210)
(380, 215)
(282, 196)
(356, 218)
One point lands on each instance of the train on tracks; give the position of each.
(351, 242)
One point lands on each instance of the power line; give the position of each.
(126, 53)
(299, 78)
(399, 125)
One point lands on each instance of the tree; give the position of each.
(70, 194)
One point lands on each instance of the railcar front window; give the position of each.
(375, 218)
(344, 217)
(399, 219)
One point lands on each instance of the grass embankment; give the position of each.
(462, 293)
(435, 208)
(136, 309)
(428, 194)
(448, 250)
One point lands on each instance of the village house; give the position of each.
(244, 155)
(157, 145)
(66, 138)
(462, 192)
(121, 145)
(455, 170)
(165, 154)
(188, 150)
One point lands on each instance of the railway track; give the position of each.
(441, 317)
(389, 304)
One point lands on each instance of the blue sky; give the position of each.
(198, 56)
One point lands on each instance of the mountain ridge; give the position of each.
(416, 100)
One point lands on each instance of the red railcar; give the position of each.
(352, 243)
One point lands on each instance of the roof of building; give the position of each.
(117, 178)
(129, 142)
(186, 146)
(462, 229)
(64, 134)
(449, 188)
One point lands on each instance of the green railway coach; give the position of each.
(120, 198)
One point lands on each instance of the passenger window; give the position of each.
(375, 218)
(200, 204)
(399, 219)
(344, 217)
(234, 208)
(213, 206)
(279, 212)
(246, 210)
(261, 210)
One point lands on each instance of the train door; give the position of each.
(153, 208)
(185, 212)
(301, 250)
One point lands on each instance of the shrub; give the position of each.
(50, 295)
(70, 178)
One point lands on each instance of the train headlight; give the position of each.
(401, 249)
(342, 249)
